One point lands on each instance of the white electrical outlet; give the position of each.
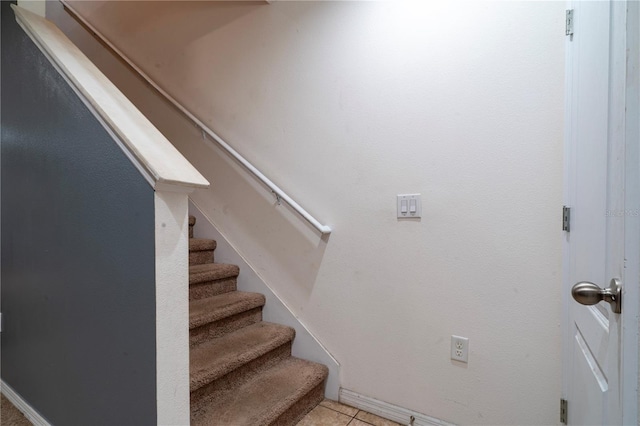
(459, 348)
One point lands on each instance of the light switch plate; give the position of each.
(413, 204)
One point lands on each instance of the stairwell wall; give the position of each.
(345, 105)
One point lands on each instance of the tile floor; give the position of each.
(331, 413)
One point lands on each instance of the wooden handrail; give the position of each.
(156, 158)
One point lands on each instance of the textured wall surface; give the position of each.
(78, 255)
(345, 105)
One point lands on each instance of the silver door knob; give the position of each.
(588, 293)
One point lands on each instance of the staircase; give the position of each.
(241, 368)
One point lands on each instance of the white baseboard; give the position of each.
(388, 411)
(28, 411)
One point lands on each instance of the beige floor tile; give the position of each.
(345, 409)
(323, 416)
(374, 420)
(356, 422)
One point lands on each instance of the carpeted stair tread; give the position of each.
(213, 359)
(266, 397)
(201, 244)
(241, 369)
(203, 311)
(211, 272)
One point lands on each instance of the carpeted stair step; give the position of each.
(241, 369)
(281, 395)
(216, 316)
(211, 279)
(220, 366)
(192, 222)
(201, 250)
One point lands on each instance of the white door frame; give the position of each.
(625, 107)
(631, 292)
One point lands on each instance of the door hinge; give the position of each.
(563, 411)
(566, 218)
(568, 29)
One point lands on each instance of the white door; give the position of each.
(595, 174)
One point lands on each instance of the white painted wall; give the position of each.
(345, 105)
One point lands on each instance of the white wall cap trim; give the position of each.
(143, 143)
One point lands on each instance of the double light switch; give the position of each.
(409, 206)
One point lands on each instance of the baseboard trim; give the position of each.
(388, 411)
(22, 405)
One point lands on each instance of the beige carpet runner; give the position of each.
(242, 371)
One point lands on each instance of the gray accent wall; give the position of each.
(78, 253)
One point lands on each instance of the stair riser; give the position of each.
(303, 406)
(224, 326)
(212, 288)
(200, 257)
(221, 387)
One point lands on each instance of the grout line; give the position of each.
(354, 417)
(360, 420)
(351, 418)
(324, 406)
(345, 414)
